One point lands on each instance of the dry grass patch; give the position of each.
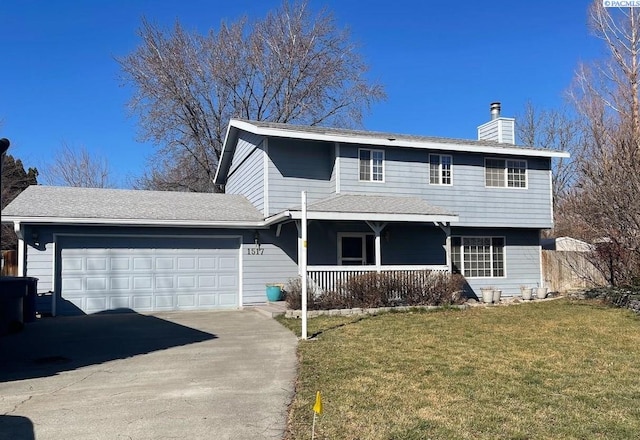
(551, 370)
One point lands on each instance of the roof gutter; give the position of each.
(381, 141)
(133, 222)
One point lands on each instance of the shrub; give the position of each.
(293, 294)
(384, 289)
(624, 297)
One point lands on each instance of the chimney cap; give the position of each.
(495, 110)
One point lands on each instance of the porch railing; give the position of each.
(326, 278)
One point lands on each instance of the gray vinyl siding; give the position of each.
(246, 175)
(39, 260)
(522, 260)
(499, 130)
(295, 166)
(277, 263)
(407, 173)
(333, 188)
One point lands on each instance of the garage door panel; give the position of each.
(207, 281)
(164, 282)
(72, 284)
(96, 284)
(207, 263)
(120, 264)
(228, 281)
(164, 263)
(147, 274)
(142, 303)
(142, 283)
(119, 302)
(142, 263)
(207, 300)
(227, 299)
(96, 303)
(186, 301)
(228, 263)
(187, 282)
(96, 264)
(73, 264)
(163, 302)
(186, 263)
(120, 283)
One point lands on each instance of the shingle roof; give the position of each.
(332, 131)
(118, 204)
(376, 204)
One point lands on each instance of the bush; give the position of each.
(624, 297)
(386, 289)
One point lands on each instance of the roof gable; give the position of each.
(341, 135)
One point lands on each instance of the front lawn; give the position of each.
(551, 370)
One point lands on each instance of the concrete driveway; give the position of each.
(178, 375)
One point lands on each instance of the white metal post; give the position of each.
(303, 262)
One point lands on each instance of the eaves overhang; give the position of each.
(364, 216)
(503, 149)
(49, 221)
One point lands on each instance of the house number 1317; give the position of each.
(255, 251)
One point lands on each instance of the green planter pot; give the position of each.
(274, 292)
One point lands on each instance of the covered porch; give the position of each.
(352, 235)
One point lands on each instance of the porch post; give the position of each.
(299, 228)
(377, 228)
(447, 242)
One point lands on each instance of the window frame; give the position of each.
(363, 237)
(371, 151)
(458, 256)
(440, 176)
(505, 174)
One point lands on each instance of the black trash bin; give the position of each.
(29, 307)
(13, 291)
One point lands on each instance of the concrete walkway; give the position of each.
(178, 375)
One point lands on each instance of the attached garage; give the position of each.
(147, 274)
(96, 250)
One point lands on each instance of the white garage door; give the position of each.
(147, 274)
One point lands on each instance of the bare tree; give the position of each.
(603, 205)
(76, 166)
(554, 129)
(606, 91)
(290, 67)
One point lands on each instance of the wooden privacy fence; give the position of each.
(10, 263)
(569, 270)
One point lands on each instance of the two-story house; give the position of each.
(376, 202)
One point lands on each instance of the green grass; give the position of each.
(552, 370)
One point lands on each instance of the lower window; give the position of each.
(478, 257)
(356, 249)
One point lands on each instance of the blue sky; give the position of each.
(441, 62)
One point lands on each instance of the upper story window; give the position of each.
(505, 173)
(440, 169)
(478, 257)
(371, 165)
